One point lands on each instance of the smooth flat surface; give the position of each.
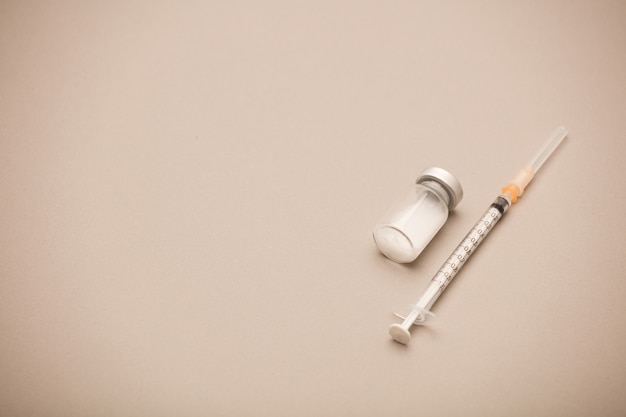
(188, 192)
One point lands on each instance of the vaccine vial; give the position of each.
(408, 226)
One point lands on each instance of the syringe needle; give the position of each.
(420, 312)
(551, 144)
(515, 188)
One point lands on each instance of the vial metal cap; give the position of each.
(447, 181)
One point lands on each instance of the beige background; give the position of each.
(188, 191)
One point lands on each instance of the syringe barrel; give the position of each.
(463, 251)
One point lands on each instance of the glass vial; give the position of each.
(403, 233)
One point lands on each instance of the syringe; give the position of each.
(420, 313)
